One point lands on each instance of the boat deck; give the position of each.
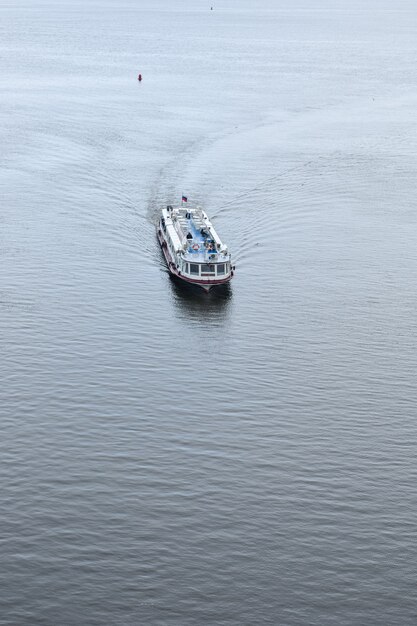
(194, 225)
(197, 237)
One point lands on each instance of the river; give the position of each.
(247, 456)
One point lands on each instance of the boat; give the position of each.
(193, 251)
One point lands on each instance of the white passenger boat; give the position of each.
(193, 250)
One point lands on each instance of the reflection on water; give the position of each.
(193, 302)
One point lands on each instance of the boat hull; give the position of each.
(173, 270)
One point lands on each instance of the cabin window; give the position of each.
(194, 268)
(187, 268)
(207, 268)
(220, 268)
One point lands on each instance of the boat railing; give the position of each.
(206, 256)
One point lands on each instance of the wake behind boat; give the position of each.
(193, 250)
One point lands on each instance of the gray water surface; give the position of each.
(243, 457)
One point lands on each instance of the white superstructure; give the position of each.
(193, 250)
